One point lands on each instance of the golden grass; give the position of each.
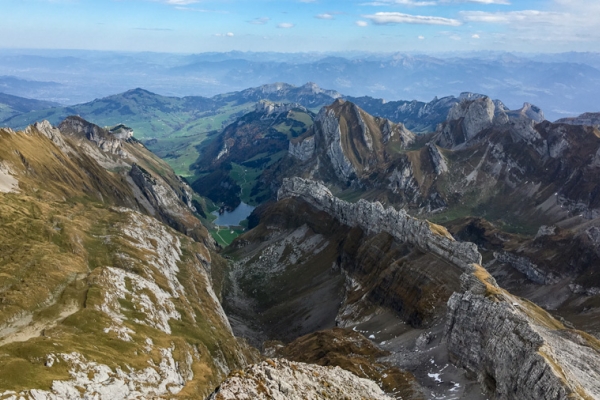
(440, 230)
(539, 315)
(56, 235)
(484, 276)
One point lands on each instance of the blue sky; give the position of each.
(192, 26)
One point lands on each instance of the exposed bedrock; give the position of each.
(374, 218)
(514, 349)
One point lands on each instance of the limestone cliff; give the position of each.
(354, 143)
(512, 347)
(374, 218)
(589, 119)
(98, 297)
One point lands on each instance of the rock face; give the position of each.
(354, 144)
(280, 379)
(517, 351)
(332, 141)
(374, 218)
(525, 266)
(271, 110)
(437, 158)
(107, 141)
(589, 119)
(304, 149)
(512, 347)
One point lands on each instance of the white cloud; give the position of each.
(562, 25)
(324, 16)
(285, 25)
(510, 17)
(475, 36)
(400, 3)
(504, 2)
(421, 37)
(384, 18)
(181, 2)
(362, 24)
(259, 21)
(228, 34)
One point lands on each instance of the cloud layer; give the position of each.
(386, 18)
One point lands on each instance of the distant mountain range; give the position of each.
(173, 127)
(562, 84)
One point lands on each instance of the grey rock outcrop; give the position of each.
(374, 218)
(545, 230)
(121, 132)
(403, 179)
(304, 149)
(105, 141)
(589, 119)
(270, 109)
(332, 136)
(438, 159)
(477, 115)
(513, 348)
(366, 134)
(517, 351)
(525, 266)
(280, 379)
(46, 129)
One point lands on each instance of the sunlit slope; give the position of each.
(97, 295)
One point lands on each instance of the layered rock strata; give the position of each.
(511, 346)
(374, 218)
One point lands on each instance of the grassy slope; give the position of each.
(57, 236)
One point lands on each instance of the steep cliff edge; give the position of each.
(99, 298)
(350, 141)
(514, 348)
(374, 218)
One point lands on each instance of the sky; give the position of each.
(194, 26)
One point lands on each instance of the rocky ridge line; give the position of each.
(374, 218)
(281, 379)
(511, 346)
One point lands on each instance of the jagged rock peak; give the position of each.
(121, 132)
(470, 96)
(269, 108)
(283, 379)
(313, 88)
(587, 119)
(532, 112)
(107, 141)
(518, 351)
(477, 114)
(374, 218)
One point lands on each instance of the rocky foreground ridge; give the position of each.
(512, 347)
(281, 379)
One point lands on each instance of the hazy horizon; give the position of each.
(198, 26)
